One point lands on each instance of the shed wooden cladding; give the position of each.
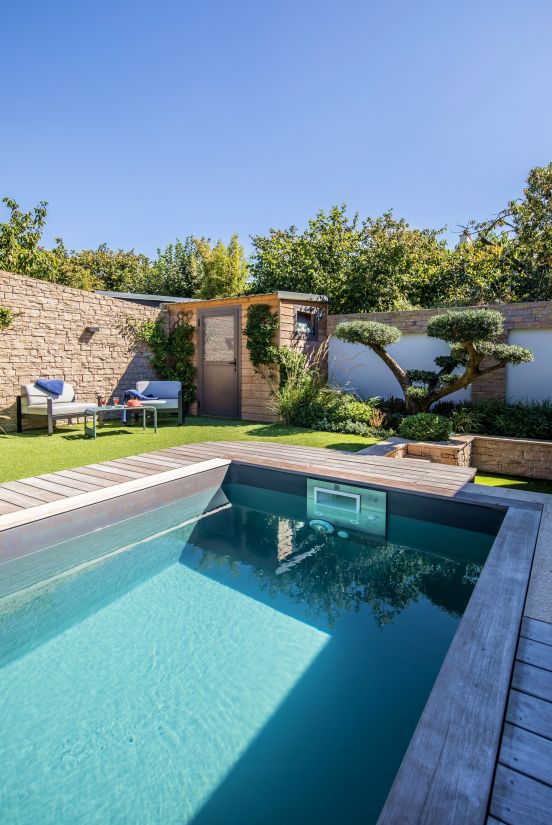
(254, 389)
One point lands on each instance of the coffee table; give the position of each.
(96, 413)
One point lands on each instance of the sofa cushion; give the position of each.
(161, 389)
(31, 394)
(58, 409)
(161, 404)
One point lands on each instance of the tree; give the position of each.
(176, 271)
(520, 235)
(223, 268)
(21, 252)
(117, 270)
(474, 336)
(378, 264)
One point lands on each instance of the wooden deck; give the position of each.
(400, 473)
(522, 792)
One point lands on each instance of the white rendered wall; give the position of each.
(532, 381)
(353, 367)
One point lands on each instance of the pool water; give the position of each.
(242, 668)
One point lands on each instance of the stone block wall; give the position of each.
(49, 340)
(536, 315)
(512, 456)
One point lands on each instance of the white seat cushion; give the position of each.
(71, 408)
(161, 389)
(162, 404)
(31, 395)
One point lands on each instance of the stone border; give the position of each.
(455, 453)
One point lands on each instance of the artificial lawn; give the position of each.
(529, 485)
(33, 453)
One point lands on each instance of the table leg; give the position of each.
(144, 420)
(155, 419)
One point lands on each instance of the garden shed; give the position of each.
(228, 384)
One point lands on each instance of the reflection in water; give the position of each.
(328, 574)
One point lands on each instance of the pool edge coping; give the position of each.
(86, 499)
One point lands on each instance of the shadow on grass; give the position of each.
(349, 446)
(100, 434)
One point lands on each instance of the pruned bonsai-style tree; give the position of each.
(475, 350)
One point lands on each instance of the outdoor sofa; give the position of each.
(34, 402)
(168, 394)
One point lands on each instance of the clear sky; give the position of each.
(143, 121)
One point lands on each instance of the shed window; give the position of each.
(305, 323)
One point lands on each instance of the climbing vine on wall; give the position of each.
(173, 352)
(260, 328)
(7, 317)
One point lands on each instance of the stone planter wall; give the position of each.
(511, 456)
(455, 453)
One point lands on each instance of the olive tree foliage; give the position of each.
(475, 350)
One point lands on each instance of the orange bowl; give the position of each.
(134, 402)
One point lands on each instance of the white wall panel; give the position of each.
(532, 381)
(356, 368)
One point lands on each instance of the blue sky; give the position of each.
(143, 121)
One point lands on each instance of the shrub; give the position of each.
(466, 420)
(425, 427)
(520, 419)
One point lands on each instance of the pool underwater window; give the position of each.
(343, 505)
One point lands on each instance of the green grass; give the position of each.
(33, 453)
(513, 482)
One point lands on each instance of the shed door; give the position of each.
(219, 336)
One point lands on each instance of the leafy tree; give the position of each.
(397, 266)
(21, 252)
(520, 238)
(476, 348)
(223, 268)
(117, 270)
(378, 264)
(177, 270)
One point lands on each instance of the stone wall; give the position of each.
(536, 315)
(49, 340)
(511, 456)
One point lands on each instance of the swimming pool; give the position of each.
(237, 667)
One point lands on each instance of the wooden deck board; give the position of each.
(538, 631)
(535, 653)
(519, 800)
(532, 680)
(527, 753)
(530, 712)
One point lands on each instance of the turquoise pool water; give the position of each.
(196, 676)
